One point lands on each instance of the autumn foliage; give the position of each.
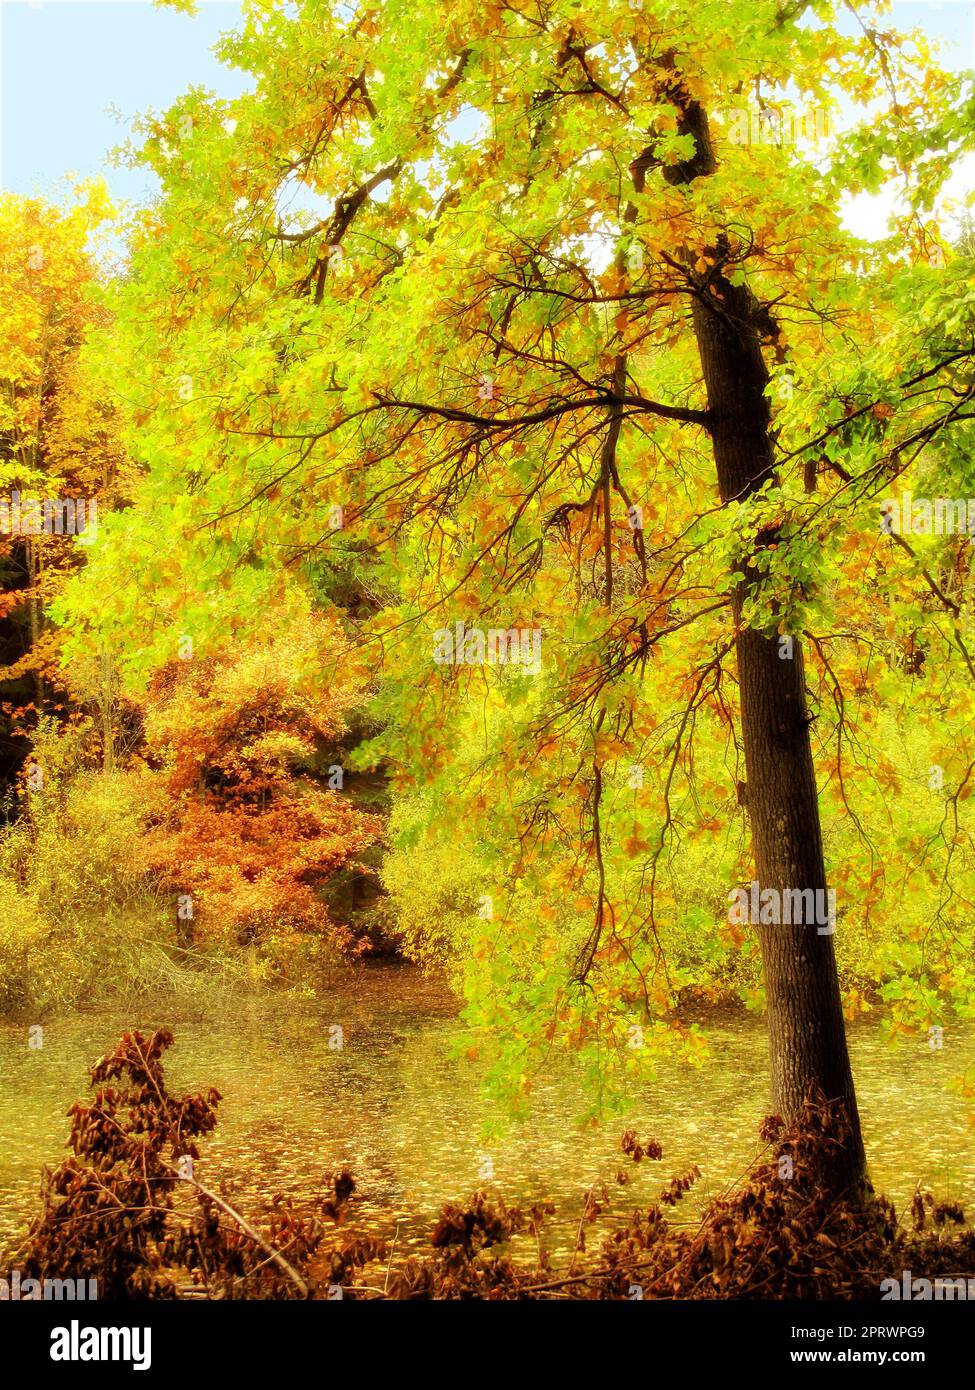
(60, 439)
(254, 820)
(499, 320)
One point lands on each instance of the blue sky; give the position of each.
(66, 65)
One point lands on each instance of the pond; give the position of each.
(400, 1106)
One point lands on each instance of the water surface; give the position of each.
(400, 1106)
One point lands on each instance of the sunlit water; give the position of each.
(400, 1106)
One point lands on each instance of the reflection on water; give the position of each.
(400, 1106)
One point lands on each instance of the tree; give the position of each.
(61, 453)
(485, 302)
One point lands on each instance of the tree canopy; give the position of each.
(425, 318)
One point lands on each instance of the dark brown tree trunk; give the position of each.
(807, 1037)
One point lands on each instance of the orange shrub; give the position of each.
(250, 826)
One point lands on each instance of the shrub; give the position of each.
(80, 918)
(110, 1211)
(247, 829)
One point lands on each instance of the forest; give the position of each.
(487, 667)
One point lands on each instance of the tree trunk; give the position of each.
(34, 611)
(807, 1038)
(106, 702)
